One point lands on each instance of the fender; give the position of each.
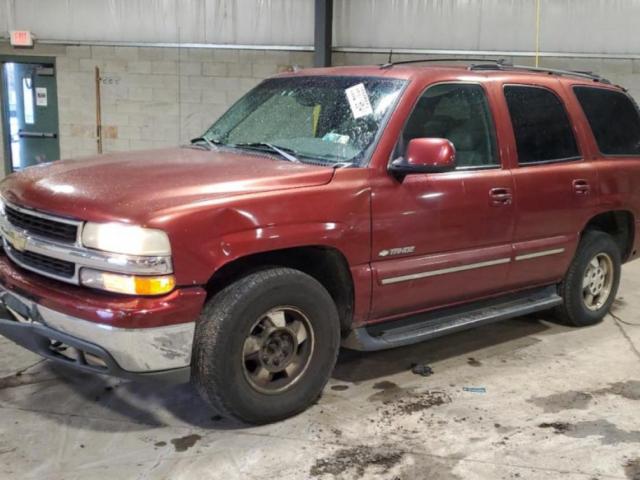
(336, 216)
(228, 248)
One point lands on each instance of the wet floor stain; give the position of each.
(632, 469)
(183, 444)
(340, 388)
(356, 461)
(405, 401)
(382, 462)
(618, 304)
(606, 432)
(559, 402)
(629, 389)
(21, 379)
(388, 391)
(558, 427)
(384, 385)
(418, 403)
(473, 362)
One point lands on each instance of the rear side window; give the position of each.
(614, 120)
(540, 124)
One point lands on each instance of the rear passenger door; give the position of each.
(555, 187)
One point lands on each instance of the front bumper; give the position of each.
(162, 353)
(141, 337)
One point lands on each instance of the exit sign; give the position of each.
(21, 38)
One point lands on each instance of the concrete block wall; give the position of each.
(154, 97)
(151, 97)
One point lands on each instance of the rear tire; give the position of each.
(265, 346)
(591, 284)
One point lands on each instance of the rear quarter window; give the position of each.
(614, 120)
(540, 124)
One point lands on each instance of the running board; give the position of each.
(396, 333)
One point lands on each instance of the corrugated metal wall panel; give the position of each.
(585, 26)
(436, 24)
(260, 22)
(571, 26)
(103, 20)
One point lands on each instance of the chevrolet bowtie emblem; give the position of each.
(18, 241)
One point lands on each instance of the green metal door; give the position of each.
(30, 104)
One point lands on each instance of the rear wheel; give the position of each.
(266, 345)
(591, 283)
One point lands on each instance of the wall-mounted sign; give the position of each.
(41, 97)
(21, 38)
(110, 79)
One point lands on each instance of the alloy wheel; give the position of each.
(278, 349)
(597, 282)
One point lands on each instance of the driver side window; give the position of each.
(460, 113)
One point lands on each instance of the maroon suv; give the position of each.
(371, 207)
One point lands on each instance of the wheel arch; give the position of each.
(620, 224)
(327, 265)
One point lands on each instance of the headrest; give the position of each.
(463, 139)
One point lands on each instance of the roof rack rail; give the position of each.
(550, 71)
(491, 61)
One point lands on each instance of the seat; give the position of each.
(468, 143)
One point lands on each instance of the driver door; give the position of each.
(444, 238)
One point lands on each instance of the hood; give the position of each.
(131, 186)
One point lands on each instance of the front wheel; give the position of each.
(591, 283)
(266, 345)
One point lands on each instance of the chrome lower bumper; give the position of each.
(133, 351)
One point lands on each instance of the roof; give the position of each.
(472, 70)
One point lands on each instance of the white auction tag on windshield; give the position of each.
(359, 101)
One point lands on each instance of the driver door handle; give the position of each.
(500, 197)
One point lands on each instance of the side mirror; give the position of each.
(425, 155)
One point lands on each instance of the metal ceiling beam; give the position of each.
(323, 23)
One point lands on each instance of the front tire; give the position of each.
(265, 346)
(592, 281)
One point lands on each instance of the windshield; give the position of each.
(317, 119)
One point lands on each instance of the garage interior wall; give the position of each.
(170, 68)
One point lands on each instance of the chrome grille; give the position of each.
(42, 263)
(50, 245)
(42, 226)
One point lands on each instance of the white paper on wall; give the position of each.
(41, 97)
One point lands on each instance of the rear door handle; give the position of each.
(581, 187)
(500, 197)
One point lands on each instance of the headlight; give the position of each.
(127, 284)
(125, 239)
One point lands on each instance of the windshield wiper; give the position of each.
(209, 143)
(285, 153)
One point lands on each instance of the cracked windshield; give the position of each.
(327, 120)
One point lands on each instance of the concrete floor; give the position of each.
(558, 403)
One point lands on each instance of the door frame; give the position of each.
(4, 115)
